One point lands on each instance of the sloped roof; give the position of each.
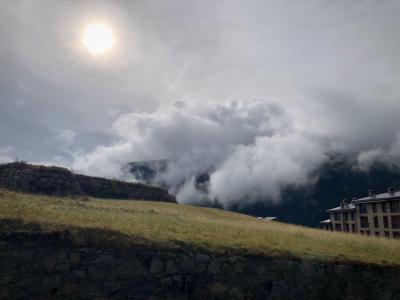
(350, 206)
(378, 197)
(268, 218)
(328, 221)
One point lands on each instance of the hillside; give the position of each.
(37, 179)
(171, 226)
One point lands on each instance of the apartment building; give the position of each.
(376, 215)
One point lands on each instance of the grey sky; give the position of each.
(331, 66)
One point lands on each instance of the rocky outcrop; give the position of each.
(51, 265)
(57, 181)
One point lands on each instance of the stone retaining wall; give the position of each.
(51, 266)
(62, 182)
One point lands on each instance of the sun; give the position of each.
(98, 38)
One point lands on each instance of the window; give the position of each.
(363, 208)
(384, 208)
(376, 224)
(338, 227)
(345, 216)
(374, 210)
(346, 227)
(337, 216)
(376, 233)
(396, 235)
(387, 235)
(394, 206)
(395, 221)
(352, 215)
(385, 222)
(364, 222)
(353, 227)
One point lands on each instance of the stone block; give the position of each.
(111, 287)
(171, 267)
(201, 267)
(167, 282)
(64, 267)
(79, 274)
(51, 282)
(226, 268)
(88, 288)
(69, 288)
(49, 263)
(202, 258)
(5, 293)
(75, 257)
(214, 267)
(157, 266)
(238, 267)
(132, 268)
(6, 279)
(218, 291)
(186, 265)
(233, 259)
(104, 260)
(236, 294)
(96, 273)
(177, 278)
(260, 269)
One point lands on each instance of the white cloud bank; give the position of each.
(252, 149)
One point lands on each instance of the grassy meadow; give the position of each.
(168, 225)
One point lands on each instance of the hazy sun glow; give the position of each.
(98, 38)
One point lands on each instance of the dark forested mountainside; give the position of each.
(337, 179)
(146, 171)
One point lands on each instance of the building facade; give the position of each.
(375, 215)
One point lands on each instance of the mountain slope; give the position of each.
(38, 179)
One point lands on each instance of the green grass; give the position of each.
(168, 225)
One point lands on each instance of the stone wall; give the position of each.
(57, 181)
(43, 266)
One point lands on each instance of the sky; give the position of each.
(257, 93)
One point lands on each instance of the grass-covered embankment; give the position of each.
(169, 225)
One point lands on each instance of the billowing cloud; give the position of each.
(196, 136)
(250, 149)
(259, 171)
(390, 156)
